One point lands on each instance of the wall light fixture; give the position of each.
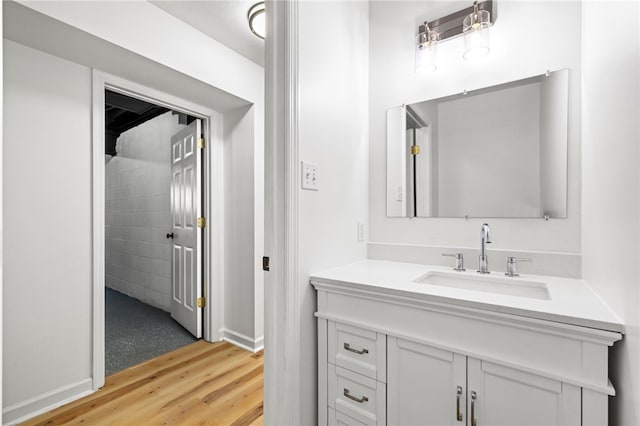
(426, 49)
(475, 27)
(472, 22)
(257, 21)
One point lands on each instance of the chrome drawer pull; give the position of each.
(355, 351)
(458, 395)
(360, 400)
(473, 408)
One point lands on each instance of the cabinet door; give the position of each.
(425, 385)
(499, 395)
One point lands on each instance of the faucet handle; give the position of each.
(512, 265)
(459, 261)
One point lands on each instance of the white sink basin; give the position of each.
(487, 284)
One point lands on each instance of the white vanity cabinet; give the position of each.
(508, 396)
(427, 385)
(356, 374)
(395, 355)
(430, 386)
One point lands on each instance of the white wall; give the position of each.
(397, 191)
(138, 212)
(515, 54)
(333, 134)
(168, 41)
(240, 290)
(162, 67)
(47, 222)
(611, 184)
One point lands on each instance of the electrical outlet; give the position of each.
(399, 193)
(360, 231)
(309, 176)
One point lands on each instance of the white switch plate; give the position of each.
(360, 231)
(399, 193)
(309, 176)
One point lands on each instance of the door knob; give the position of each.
(170, 235)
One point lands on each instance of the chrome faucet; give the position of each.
(485, 238)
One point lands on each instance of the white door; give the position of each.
(502, 396)
(425, 385)
(186, 184)
(424, 172)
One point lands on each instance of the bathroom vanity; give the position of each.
(408, 344)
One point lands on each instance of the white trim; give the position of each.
(292, 183)
(282, 304)
(243, 341)
(552, 325)
(213, 245)
(1, 201)
(259, 343)
(98, 231)
(214, 232)
(24, 410)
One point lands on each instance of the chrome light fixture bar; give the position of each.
(472, 22)
(257, 21)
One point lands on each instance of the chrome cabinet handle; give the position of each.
(353, 398)
(458, 395)
(473, 408)
(355, 351)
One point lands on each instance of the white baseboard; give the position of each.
(242, 341)
(21, 411)
(259, 343)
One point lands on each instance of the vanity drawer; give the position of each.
(339, 419)
(357, 349)
(357, 396)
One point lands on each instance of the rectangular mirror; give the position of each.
(496, 152)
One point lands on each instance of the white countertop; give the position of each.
(573, 301)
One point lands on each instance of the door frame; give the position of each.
(282, 309)
(213, 190)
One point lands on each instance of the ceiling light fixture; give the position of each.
(472, 22)
(257, 21)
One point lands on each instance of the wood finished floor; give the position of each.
(199, 384)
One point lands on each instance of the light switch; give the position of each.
(360, 231)
(309, 176)
(399, 193)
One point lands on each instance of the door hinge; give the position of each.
(415, 149)
(202, 222)
(201, 143)
(202, 302)
(265, 263)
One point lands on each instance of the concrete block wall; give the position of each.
(137, 216)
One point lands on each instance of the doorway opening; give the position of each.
(154, 228)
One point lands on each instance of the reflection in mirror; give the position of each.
(500, 151)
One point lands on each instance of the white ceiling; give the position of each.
(223, 20)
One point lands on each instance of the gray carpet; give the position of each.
(136, 332)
